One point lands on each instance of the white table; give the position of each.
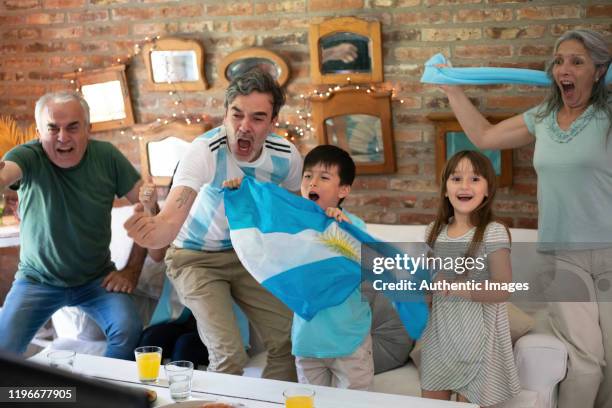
(253, 392)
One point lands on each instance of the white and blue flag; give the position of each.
(303, 257)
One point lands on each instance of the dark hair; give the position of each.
(329, 156)
(482, 215)
(256, 80)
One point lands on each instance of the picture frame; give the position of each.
(450, 138)
(175, 64)
(108, 97)
(359, 121)
(345, 49)
(243, 60)
(162, 145)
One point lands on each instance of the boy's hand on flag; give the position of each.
(233, 183)
(337, 214)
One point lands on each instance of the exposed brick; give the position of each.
(254, 25)
(408, 135)
(115, 30)
(530, 189)
(370, 183)
(195, 10)
(407, 3)
(64, 32)
(524, 207)
(283, 6)
(422, 17)
(530, 223)
(88, 16)
(155, 29)
(416, 218)
(108, 2)
(511, 33)
(450, 34)
(48, 47)
(413, 185)
(536, 50)
(414, 54)
(548, 13)
(405, 34)
(603, 29)
(483, 51)
(205, 26)
(375, 216)
(326, 5)
(477, 16)
(22, 34)
(233, 42)
(55, 4)
(45, 18)
(599, 10)
(20, 4)
(382, 3)
(140, 13)
(410, 169)
(44, 75)
(522, 102)
(523, 172)
(229, 9)
(10, 49)
(449, 2)
(289, 39)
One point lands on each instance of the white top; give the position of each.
(204, 168)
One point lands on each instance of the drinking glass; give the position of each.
(299, 397)
(2, 203)
(179, 375)
(148, 360)
(63, 359)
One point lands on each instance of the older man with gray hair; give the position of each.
(67, 184)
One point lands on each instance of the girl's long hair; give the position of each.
(482, 215)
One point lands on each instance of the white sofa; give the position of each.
(540, 357)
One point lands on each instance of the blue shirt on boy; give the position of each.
(336, 331)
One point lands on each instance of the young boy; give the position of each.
(335, 347)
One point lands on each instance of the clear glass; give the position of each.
(299, 397)
(148, 360)
(179, 374)
(62, 359)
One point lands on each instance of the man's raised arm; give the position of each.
(9, 174)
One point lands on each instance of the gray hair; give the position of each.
(256, 80)
(599, 53)
(59, 97)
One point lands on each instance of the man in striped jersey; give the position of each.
(202, 264)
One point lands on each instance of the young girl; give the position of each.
(466, 346)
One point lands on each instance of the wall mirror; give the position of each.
(345, 47)
(241, 61)
(175, 64)
(107, 95)
(358, 121)
(450, 139)
(163, 145)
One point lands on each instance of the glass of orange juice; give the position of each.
(299, 397)
(148, 360)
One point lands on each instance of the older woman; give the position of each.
(573, 161)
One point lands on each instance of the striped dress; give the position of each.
(466, 345)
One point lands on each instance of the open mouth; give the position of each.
(313, 196)
(567, 87)
(244, 146)
(64, 150)
(465, 197)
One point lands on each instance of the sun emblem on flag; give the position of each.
(341, 242)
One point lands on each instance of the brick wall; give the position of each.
(42, 39)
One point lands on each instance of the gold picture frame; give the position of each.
(343, 48)
(243, 60)
(108, 97)
(359, 121)
(175, 64)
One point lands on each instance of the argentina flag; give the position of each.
(303, 257)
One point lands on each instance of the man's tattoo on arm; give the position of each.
(184, 196)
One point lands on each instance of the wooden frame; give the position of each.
(255, 53)
(159, 132)
(339, 26)
(445, 124)
(353, 101)
(175, 64)
(107, 95)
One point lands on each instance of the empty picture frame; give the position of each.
(107, 95)
(358, 121)
(450, 139)
(163, 145)
(175, 64)
(345, 47)
(241, 61)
